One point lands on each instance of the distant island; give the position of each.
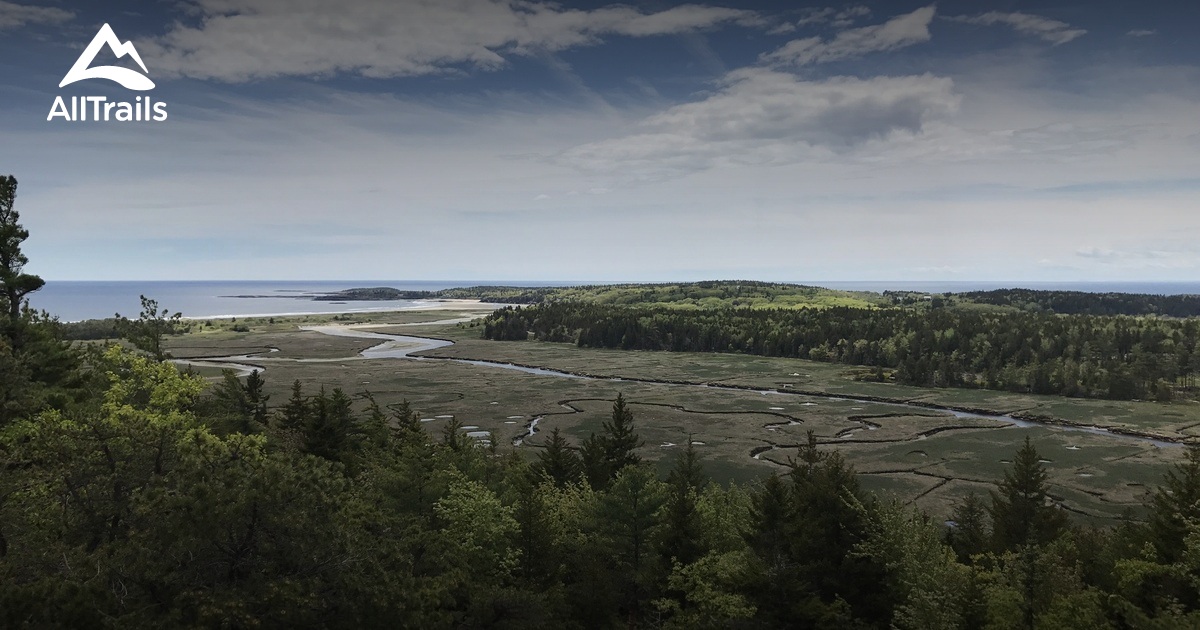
(754, 294)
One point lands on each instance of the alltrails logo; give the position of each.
(99, 107)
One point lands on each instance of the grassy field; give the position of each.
(922, 456)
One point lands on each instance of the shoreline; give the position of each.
(445, 304)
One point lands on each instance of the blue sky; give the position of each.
(962, 140)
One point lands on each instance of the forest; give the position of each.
(1093, 356)
(134, 494)
(1083, 303)
(773, 295)
(685, 295)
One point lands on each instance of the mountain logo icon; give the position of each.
(129, 79)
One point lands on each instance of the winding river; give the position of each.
(406, 346)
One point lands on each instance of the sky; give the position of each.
(1053, 140)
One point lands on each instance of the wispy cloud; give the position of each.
(837, 17)
(1052, 31)
(14, 15)
(766, 116)
(898, 32)
(382, 38)
(1156, 256)
(1141, 32)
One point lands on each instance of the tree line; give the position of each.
(1087, 303)
(1074, 355)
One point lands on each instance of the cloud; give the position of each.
(241, 40)
(847, 16)
(898, 32)
(14, 15)
(1144, 256)
(1141, 32)
(839, 18)
(762, 116)
(1049, 30)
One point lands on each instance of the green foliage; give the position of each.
(688, 295)
(1088, 303)
(330, 432)
(927, 579)
(604, 456)
(92, 330)
(1021, 512)
(1042, 353)
(14, 282)
(627, 523)
(558, 462)
(970, 534)
(1176, 505)
(236, 407)
(147, 331)
(147, 509)
(38, 369)
(682, 536)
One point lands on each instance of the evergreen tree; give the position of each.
(256, 398)
(375, 430)
(453, 436)
(558, 462)
(14, 282)
(776, 584)
(38, 368)
(1176, 506)
(1020, 511)
(236, 407)
(832, 516)
(330, 431)
(620, 440)
(146, 333)
(969, 534)
(626, 518)
(682, 533)
(295, 414)
(408, 424)
(593, 455)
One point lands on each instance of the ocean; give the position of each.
(74, 301)
(77, 300)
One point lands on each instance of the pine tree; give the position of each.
(329, 432)
(969, 534)
(38, 368)
(832, 517)
(375, 428)
(408, 424)
(1020, 513)
(682, 528)
(620, 439)
(295, 413)
(777, 583)
(146, 332)
(239, 408)
(558, 462)
(626, 520)
(1176, 504)
(257, 399)
(14, 282)
(453, 436)
(593, 455)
